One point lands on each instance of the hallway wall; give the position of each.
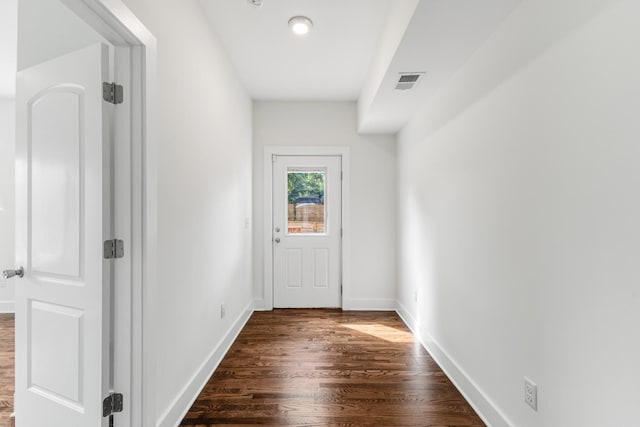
(204, 199)
(519, 217)
(8, 63)
(7, 205)
(372, 191)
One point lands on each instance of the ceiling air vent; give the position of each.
(407, 81)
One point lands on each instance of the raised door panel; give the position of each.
(294, 268)
(55, 175)
(55, 362)
(320, 267)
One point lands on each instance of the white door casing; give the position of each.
(307, 261)
(62, 218)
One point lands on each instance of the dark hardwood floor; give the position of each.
(7, 325)
(311, 368)
(329, 368)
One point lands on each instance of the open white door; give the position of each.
(62, 218)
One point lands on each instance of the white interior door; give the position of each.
(307, 227)
(63, 216)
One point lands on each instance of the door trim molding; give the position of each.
(269, 152)
(133, 309)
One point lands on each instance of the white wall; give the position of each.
(372, 191)
(519, 217)
(8, 48)
(204, 197)
(47, 29)
(7, 180)
(204, 190)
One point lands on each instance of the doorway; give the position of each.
(307, 228)
(134, 208)
(306, 262)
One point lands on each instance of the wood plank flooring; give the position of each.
(329, 368)
(7, 366)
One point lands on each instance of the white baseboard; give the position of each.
(480, 402)
(7, 307)
(361, 304)
(180, 406)
(374, 304)
(407, 318)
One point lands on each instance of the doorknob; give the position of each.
(8, 274)
(277, 240)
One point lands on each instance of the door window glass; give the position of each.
(305, 198)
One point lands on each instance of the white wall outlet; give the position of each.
(223, 311)
(530, 393)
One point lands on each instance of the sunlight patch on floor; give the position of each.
(383, 332)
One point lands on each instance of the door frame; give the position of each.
(134, 191)
(339, 151)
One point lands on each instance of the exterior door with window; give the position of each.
(307, 226)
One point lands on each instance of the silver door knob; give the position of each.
(277, 240)
(8, 274)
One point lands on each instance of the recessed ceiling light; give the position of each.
(300, 25)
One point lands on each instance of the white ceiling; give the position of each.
(344, 50)
(438, 40)
(330, 63)
(8, 47)
(356, 49)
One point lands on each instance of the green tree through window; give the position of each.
(305, 184)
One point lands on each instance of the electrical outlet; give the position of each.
(530, 393)
(223, 311)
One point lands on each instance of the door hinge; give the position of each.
(113, 248)
(112, 404)
(112, 93)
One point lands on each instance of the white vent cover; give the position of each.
(407, 81)
(255, 3)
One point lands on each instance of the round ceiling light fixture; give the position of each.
(300, 25)
(255, 3)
